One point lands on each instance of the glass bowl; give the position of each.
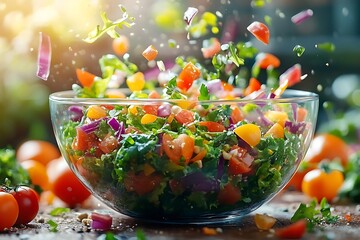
(180, 161)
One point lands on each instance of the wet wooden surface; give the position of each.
(282, 208)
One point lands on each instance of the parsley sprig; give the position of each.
(109, 26)
(315, 214)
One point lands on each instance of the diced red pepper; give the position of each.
(187, 76)
(260, 31)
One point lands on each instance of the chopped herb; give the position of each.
(140, 235)
(299, 50)
(52, 225)
(59, 211)
(110, 26)
(326, 46)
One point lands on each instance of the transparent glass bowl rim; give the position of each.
(289, 96)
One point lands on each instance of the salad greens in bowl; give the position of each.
(169, 156)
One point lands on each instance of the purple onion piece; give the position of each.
(91, 127)
(302, 16)
(295, 127)
(220, 167)
(114, 123)
(120, 130)
(214, 86)
(271, 95)
(101, 221)
(294, 109)
(198, 182)
(153, 73)
(76, 113)
(44, 57)
(164, 110)
(190, 14)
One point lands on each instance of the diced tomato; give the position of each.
(151, 109)
(264, 60)
(81, 140)
(236, 115)
(292, 75)
(187, 76)
(211, 47)
(199, 156)
(171, 150)
(150, 53)
(260, 31)
(293, 231)
(187, 145)
(236, 166)
(108, 144)
(229, 195)
(185, 116)
(85, 78)
(212, 126)
(301, 114)
(253, 86)
(140, 183)
(176, 186)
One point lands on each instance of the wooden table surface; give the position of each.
(282, 208)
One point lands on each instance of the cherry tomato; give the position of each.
(140, 183)
(265, 60)
(37, 173)
(85, 78)
(319, 184)
(293, 231)
(182, 146)
(150, 53)
(64, 183)
(187, 76)
(327, 147)
(28, 202)
(108, 144)
(9, 210)
(120, 45)
(260, 31)
(229, 195)
(292, 76)
(37, 150)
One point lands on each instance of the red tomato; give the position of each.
(260, 31)
(9, 210)
(292, 75)
(64, 183)
(213, 126)
(212, 48)
(37, 150)
(229, 194)
(28, 203)
(187, 76)
(85, 78)
(108, 144)
(140, 183)
(185, 116)
(237, 167)
(293, 231)
(253, 86)
(182, 146)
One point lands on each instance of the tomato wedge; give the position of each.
(236, 167)
(253, 86)
(265, 60)
(292, 75)
(229, 195)
(140, 183)
(212, 126)
(260, 31)
(293, 231)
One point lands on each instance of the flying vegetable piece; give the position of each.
(44, 57)
(260, 31)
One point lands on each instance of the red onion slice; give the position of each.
(302, 16)
(44, 57)
(190, 14)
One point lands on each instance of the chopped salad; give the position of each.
(198, 147)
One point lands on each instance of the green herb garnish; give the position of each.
(59, 211)
(52, 225)
(109, 26)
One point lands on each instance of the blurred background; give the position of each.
(24, 112)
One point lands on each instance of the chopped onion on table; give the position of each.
(302, 16)
(101, 221)
(44, 57)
